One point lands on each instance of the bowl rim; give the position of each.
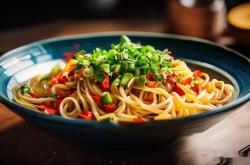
(55, 118)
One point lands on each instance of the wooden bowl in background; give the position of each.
(239, 23)
(199, 18)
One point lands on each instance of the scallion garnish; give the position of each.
(25, 89)
(125, 57)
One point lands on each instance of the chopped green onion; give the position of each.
(85, 62)
(79, 66)
(194, 80)
(158, 77)
(123, 67)
(124, 39)
(106, 98)
(98, 75)
(55, 71)
(80, 56)
(131, 67)
(125, 57)
(153, 69)
(140, 81)
(105, 68)
(117, 68)
(88, 72)
(45, 78)
(112, 46)
(167, 64)
(54, 95)
(149, 48)
(108, 118)
(137, 72)
(25, 89)
(116, 82)
(126, 78)
(145, 68)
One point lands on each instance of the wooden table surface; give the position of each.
(22, 143)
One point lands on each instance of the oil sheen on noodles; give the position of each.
(128, 83)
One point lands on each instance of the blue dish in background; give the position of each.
(19, 65)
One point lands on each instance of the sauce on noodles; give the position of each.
(128, 83)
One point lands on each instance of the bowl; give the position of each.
(20, 64)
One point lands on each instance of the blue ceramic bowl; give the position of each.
(22, 63)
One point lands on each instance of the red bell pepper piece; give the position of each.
(58, 102)
(197, 73)
(62, 80)
(152, 84)
(105, 83)
(80, 73)
(195, 88)
(138, 121)
(187, 81)
(110, 108)
(67, 59)
(47, 103)
(150, 76)
(97, 99)
(59, 93)
(69, 55)
(71, 73)
(34, 95)
(53, 82)
(178, 90)
(170, 80)
(149, 98)
(87, 115)
(50, 110)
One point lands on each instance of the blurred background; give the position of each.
(26, 21)
(226, 22)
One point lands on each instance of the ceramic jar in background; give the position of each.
(199, 18)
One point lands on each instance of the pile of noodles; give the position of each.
(134, 103)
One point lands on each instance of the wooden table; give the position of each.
(21, 143)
